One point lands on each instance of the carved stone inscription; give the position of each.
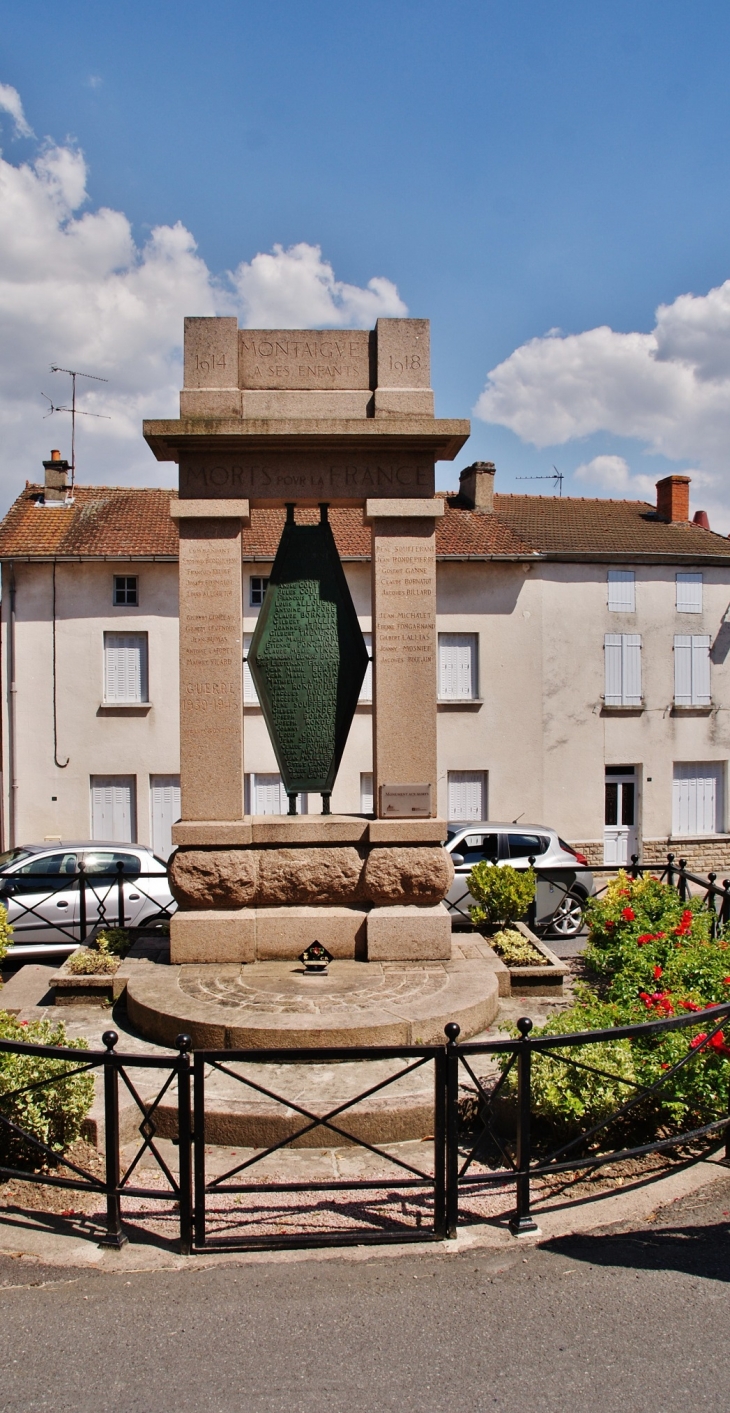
(303, 358)
(284, 475)
(211, 715)
(404, 617)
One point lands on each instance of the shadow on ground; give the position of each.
(702, 1251)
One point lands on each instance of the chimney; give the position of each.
(701, 517)
(56, 483)
(672, 499)
(476, 486)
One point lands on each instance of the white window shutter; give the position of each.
(448, 667)
(622, 590)
(697, 797)
(689, 593)
(632, 669)
(125, 667)
(457, 666)
(366, 792)
(250, 695)
(269, 795)
(701, 670)
(682, 669)
(366, 691)
(467, 794)
(613, 693)
(113, 808)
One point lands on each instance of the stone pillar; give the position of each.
(211, 680)
(404, 643)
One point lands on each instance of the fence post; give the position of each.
(199, 1148)
(682, 880)
(670, 870)
(114, 1236)
(634, 865)
(532, 910)
(522, 1221)
(725, 906)
(452, 1032)
(120, 894)
(184, 1133)
(82, 908)
(439, 1143)
(712, 904)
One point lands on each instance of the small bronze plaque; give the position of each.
(405, 801)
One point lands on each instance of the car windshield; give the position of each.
(13, 856)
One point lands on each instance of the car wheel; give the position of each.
(568, 918)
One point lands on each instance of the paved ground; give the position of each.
(633, 1316)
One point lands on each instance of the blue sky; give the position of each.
(512, 169)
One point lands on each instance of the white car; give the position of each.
(58, 895)
(563, 883)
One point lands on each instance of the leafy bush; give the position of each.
(90, 961)
(652, 956)
(53, 1114)
(516, 950)
(6, 933)
(503, 894)
(118, 940)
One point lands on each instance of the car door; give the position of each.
(42, 899)
(101, 867)
(552, 882)
(477, 847)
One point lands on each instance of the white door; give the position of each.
(114, 808)
(268, 795)
(620, 833)
(165, 811)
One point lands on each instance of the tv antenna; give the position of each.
(557, 479)
(73, 409)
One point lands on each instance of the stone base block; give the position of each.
(283, 933)
(213, 936)
(409, 934)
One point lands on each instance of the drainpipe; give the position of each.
(12, 692)
(60, 763)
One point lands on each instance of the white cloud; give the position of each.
(669, 388)
(10, 103)
(612, 474)
(77, 290)
(287, 288)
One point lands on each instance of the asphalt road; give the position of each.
(627, 1319)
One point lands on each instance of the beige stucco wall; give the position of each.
(539, 729)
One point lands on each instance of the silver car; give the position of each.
(561, 893)
(40, 888)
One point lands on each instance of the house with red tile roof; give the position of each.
(583, 666)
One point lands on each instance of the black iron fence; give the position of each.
(490, 1147)
(68, 907)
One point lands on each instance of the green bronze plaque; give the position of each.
(308, 657)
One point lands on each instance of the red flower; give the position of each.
(23, 1022)
(657, 973)
(628, 915)
(689, 1006)
(610, 924)
(718, 1043)
(685, 924)
(645, 937)
(698, 1039)
(665, 1065)
(726, 981)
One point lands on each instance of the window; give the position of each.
(105, 861)
(366, 792)
(523, 846)
(257, 590)
(467, 794)
(692, 669)
(266, 795)
(689, 593)
(479, 848)
(114, 808)
(457, 667)
(366, 691)
(125, 668)
(250, 695)
(125, 590)
(621, 591)
(698, 793)
(164, 812)
(622, 654)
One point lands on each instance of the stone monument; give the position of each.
(300, 418)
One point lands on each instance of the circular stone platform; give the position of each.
(277, 1005)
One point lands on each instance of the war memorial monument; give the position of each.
(305, 420)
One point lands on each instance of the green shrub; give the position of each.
(503, 894)
(118, 940)
(516, 950)
(94, 961)
(6, 934)
(53, 1114)
(651, 956)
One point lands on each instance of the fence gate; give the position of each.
(279, 1192)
